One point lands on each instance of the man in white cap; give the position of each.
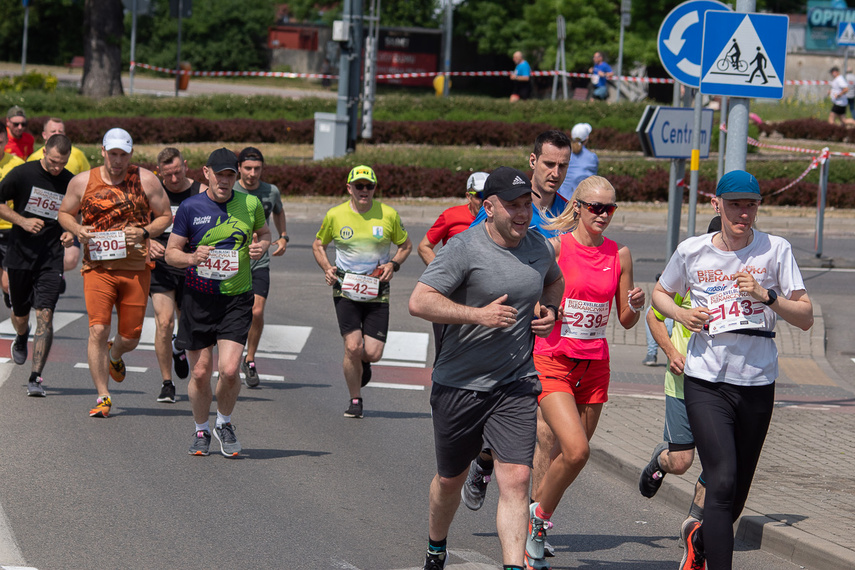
(455, 219)
(120, 207)
(583, 162)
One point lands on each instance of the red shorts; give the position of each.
(126, 290)
(586, 380)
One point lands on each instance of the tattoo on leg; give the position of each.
(43, 338)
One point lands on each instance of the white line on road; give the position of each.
(268, 377)
(127, 368)
(405, 349)
(396, 386)
(9, 550)
(60, 320)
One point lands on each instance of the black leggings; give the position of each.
(729, 423)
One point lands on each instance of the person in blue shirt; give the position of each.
(521, 76)
(601, 73)
(583, 162)
(548, 163)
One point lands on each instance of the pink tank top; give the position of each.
(591, 278)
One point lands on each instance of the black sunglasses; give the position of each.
(598, 209)
(477, 193)
(360, 186)
(21, 124)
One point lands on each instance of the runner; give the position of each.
(573, 362)
(455, 219)
(218, 226)
(8, 161)
(167, 282)
(250, 165)
(363, 230)
(485, 286)
(740, 280)
(120, 207)
(34, 256)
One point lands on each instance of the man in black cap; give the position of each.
(484, 286)
(250, 167)
(218, 228)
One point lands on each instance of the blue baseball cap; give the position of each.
(738, 185)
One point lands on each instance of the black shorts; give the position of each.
(838, 109)
(522, 89)
(261, 281)
(165, 278)
(30, 288)
(465, 421)
(369, 317)
(4, 244)
(207, 318)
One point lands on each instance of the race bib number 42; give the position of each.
(584, 319)
(43, 203)
(732, 310)
(107, 245)
(360, 287)
(221, 264)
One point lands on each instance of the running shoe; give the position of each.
(435, 561)
(535, 557)
(117, 369)
(693, 557)
(179, 362)
(548, 549)
(19, 347)
(229, 445)
(366, 373)
(62, 285)
(167, 392)
(475, 487)
(201, 443)
(652, 475)
(649, 361)
(34, 388)
(250, 373)
(102, 408)
(355, 409)
(7, 300)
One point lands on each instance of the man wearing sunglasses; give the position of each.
(20, 143)
(363, 231)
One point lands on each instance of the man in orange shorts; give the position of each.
(120, 206)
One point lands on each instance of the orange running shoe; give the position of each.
(102, 408)
(117, 369)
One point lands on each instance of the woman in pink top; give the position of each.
(573, 362)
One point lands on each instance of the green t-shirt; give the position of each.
(680, 339)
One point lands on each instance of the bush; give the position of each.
(29, 81)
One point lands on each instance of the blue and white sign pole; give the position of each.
(737, 117)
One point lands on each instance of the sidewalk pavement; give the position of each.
(802, 501)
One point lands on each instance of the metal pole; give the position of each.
(560, 62)
(133, 44)
(178, 56)
(26, 34)
(696, 163)
(370, 81)
(820, 206)
(619, 61)
(355, 66)
(845, 60)
(449, 22)
(344, 62)
(737, 121)
(722, 137)
(675, 194)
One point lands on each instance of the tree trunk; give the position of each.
(104, 26)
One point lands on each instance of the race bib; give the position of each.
(221, 264)
(169, 229)
(584, 319)
(360, 287)
(43, 203)
(733, 310)
(107, 245)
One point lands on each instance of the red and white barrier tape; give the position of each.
(817, 160)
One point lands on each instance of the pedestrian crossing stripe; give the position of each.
(60, 320)
(407, 349)
(753, 52)
(140, 369)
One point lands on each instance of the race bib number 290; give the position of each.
(107, 245)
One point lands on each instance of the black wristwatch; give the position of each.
(554, 309)
(145, 233)
(287, 239)
(772, 297)
(395, 265)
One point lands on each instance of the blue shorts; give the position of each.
(678, 434)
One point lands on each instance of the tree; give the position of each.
(45, 44)
(403, 13)
(103, 27)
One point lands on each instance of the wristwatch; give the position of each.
(286, 238)
(395, 265)
(772, 297)
(145, 233)
(554, 309)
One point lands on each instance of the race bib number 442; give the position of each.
(107, 245)
(221, 264)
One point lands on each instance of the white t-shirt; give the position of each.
(707, 272)
(850, 79)
(838, 97)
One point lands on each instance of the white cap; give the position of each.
(476, 182)
(118, 138)
(581, 131)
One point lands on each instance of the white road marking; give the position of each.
(396, 386)
(405, 349)
(60, 320)
(127, 368)
(267, 377)
(9, 550)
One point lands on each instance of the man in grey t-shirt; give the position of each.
(485, 286)
(250, 165)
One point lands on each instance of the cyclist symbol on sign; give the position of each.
(731, 59)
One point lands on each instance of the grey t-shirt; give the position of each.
(271, 200)
(471, 269)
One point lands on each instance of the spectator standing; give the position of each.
(583, 162)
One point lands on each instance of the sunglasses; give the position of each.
(360, 186)
(477, 193)
(598, 209)
(21, 124)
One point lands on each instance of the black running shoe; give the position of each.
(355, 408)
(366, 373)
(435, 561)
(167, 393)
(179, 362)
(250, 373)
(693, 557)
(19, 347)
(651, 477)
(62, 285)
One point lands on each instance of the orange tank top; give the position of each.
(107, 207)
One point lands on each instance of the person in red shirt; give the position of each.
(20, 143)
(455, 219)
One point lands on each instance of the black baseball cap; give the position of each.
(222, 159)
(250, 153)
(508, 184)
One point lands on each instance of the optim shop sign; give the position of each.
(822, 19)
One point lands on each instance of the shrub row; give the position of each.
(812, 129)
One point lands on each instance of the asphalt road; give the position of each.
(311, 488)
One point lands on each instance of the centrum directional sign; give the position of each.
(680, 37)
(744, 55)
(667, 132)
(845, 34)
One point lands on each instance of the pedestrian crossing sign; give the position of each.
(744, 55)
(845, 34)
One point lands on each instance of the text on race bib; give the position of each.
(221, 264)
(360, 287)
(733, 310)
(43, 203)
(107, 245)
(584, 319)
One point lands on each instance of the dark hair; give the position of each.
(61, 143)
(554, 137)
(168, 154)
(250, 153)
